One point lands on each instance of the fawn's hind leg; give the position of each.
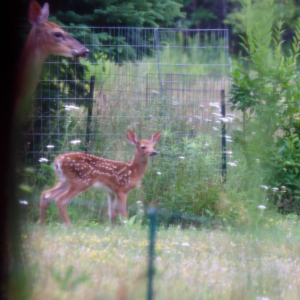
(63, 199)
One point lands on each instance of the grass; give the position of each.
(261, 262)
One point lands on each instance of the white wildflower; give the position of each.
(24, 202)
(43, 159)
(50, 146)
(261, 207)
(70, 107)
(185, 244)
(224, 119)
(181, 157)
(214, 105)
(75, 142)
(158, 173)
(264, 187)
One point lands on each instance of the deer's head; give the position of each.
(144, 147)
(50, 37)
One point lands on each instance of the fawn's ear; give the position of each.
(132, 138)
(155, 137)
(36, 14)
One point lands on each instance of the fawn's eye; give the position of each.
(143, 148)
(58, 34)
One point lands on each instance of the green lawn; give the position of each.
(98, 263)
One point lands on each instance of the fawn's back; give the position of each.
(90, 170)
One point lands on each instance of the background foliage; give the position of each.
(264, 45)
(265, 87)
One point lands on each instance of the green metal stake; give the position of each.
(153, 219)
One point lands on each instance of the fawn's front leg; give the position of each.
(49, 195)
(122, 197)
(112, 208)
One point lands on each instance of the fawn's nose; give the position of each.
(153, 153)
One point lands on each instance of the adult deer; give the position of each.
(76, 172)
(45, 38)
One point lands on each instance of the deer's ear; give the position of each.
(155, 137)
(45, 13)
(132, 138)
(36, 14)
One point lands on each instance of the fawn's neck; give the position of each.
(139, 164)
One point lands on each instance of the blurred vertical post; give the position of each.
(90, 114)
(223, 128)
(153, 220)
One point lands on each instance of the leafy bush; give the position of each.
(186, 181)
(266, 88)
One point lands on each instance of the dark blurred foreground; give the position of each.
(12, 279)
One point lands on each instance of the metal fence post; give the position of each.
(223, 127)
(153, 221)
(90, 113)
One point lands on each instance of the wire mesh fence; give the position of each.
(142, 79)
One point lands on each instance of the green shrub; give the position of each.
(266, 89)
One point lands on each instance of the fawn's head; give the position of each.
(50, 36)
(144, 147)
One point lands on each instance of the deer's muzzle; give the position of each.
(153, 153)
(82, 53)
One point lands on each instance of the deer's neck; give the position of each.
(139, 164)
(30, 66)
